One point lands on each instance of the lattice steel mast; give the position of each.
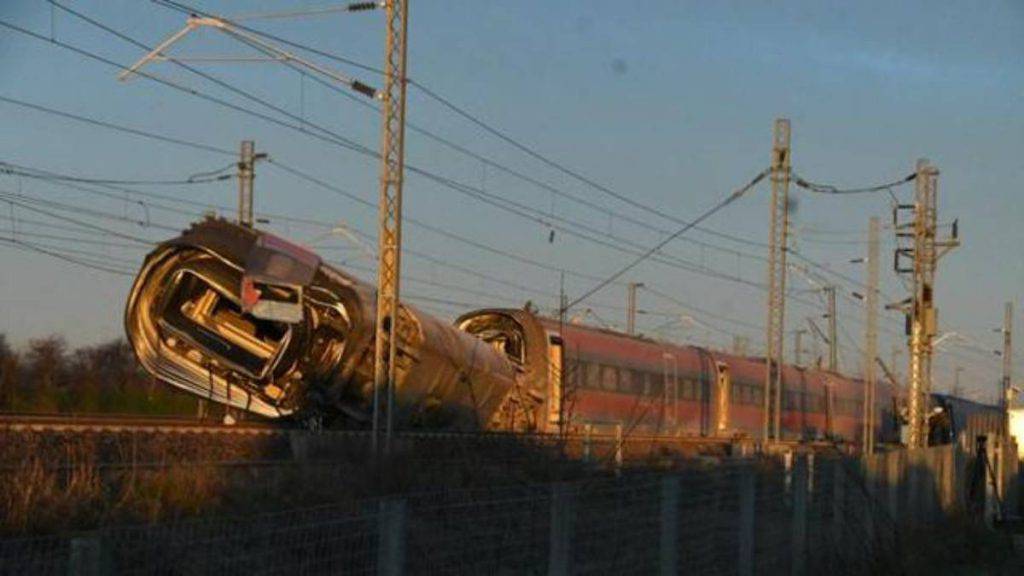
(925, 253)
(390, 218)
(777, 239)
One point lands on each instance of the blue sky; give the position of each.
(668, 103)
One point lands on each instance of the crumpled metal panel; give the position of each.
(190, 326)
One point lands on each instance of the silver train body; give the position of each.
(248, 320)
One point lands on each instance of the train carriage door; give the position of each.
(830, 408)
(556, 360)
(724, 386)
(670, 390)
(704, 389)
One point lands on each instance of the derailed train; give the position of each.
(251, 321)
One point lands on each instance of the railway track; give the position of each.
(122, 423)
(126, 423)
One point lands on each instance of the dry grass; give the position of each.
(57, 483)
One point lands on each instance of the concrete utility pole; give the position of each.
(247, 158)
(1007, 356)
(871, 337)
(740, 345)
(777, 241)
(923, 248)
(631, 307)
(833, 341)
(894, 354)
(798, 341)
(389, 320)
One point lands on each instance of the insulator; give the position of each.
(364, 89)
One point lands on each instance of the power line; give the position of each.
(80, 262)
(118, 127)
(650, 252)
(7, 198)
(346, 143)
(533, 153)
(187, 9)
(198, 178)
(332, 138)
(830, 189)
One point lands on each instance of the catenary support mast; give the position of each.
(777, 238)
(389, 324)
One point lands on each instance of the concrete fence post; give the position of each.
(810, 474)
(892, 481)
(787, 466)
(799, 541)
(948, 487)
(745, 532)
(87, 557)
(391, 522)
(912, 514)
(838, 504)
(563, 516)
(668, 544)
(618, 448)
(869, 465)
(932, 489)
(587, 431)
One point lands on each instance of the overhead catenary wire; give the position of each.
(181, 7)
(503, 136)
(13, 242)
(460, 111)
(118, 127)
(651, 251)
(197, 178)
(318, 135)
(303, 12)
(330, 137)
(830, 189)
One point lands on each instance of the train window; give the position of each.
(639, 382)
(657, 384)
(592, 376)
(626, 381)
(758, 395)
(609, 378)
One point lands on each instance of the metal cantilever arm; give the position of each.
(157, 53)
(252, 41)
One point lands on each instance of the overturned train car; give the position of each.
(249, 320)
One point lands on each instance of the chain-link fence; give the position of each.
(788, 516)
